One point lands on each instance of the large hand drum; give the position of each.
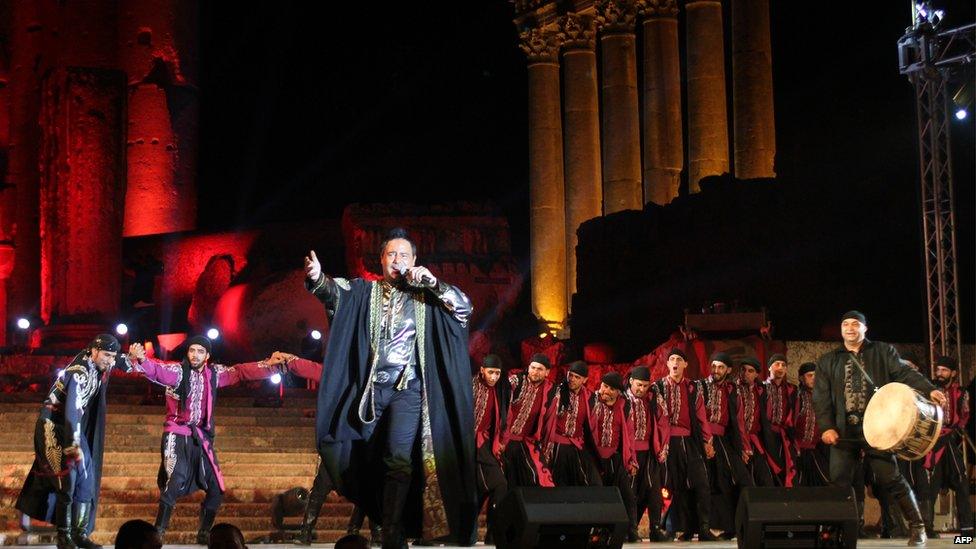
(900, 420)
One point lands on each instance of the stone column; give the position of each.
(157, 49)
(621, 123)
(6, 267)
(547, 198)
(581, 133)
(28, 60)
(8, 196)
(663, 141)
(754, 126)
(82, 178)
(708, 127)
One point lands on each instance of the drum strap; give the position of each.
(873, 387)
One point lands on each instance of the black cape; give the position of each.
(37, 497)
(443, 497)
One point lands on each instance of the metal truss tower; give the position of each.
(935, 61)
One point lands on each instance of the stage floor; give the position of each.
(946, 541)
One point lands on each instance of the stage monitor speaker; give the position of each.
(796, 517)
(562, 517)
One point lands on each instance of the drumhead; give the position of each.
(890, 416)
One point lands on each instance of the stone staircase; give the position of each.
(263, 451)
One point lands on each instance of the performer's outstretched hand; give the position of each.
(939, 397)
(313, 269)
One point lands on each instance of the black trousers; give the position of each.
(845, 458)
(647, 488)
(571, 466)
(813, 467)
(691, 494)
(519, 468)
(728, 475)
(759, 470)
(185, 468)
(614, 473)
(950, 473)
(492, 485)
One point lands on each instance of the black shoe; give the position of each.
(727, 535)
(706, 535)
(633, 537)
(80, 513)
(656, 534)
(686, 536)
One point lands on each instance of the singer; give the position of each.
(846, 379)
(396, 382)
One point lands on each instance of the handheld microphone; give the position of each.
(426, 279)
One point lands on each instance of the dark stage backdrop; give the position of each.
(308, 107)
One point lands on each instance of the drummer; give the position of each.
(845, 381)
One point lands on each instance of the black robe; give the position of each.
(443, 498)
(37, 497)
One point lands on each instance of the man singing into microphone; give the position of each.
(846, 379)
(396, 381)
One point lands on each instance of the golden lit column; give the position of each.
(547, 198)
(621, 123)
(663, 148)
(581, 133)
(752, 90)
(708, 130)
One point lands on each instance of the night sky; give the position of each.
(304, 110)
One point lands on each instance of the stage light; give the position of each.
(924, 12)
(213, 333)
(276, 379)
(23, 323)
(316, 335)
(961, 114)
(121, 329)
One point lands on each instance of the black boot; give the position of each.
(928, 517)
(207, 517)
(355, 521)
(916, 525)
(375, 534)
(62, 520)
(394, 498)
(162, 520)
(307, 532)
(80, 514)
